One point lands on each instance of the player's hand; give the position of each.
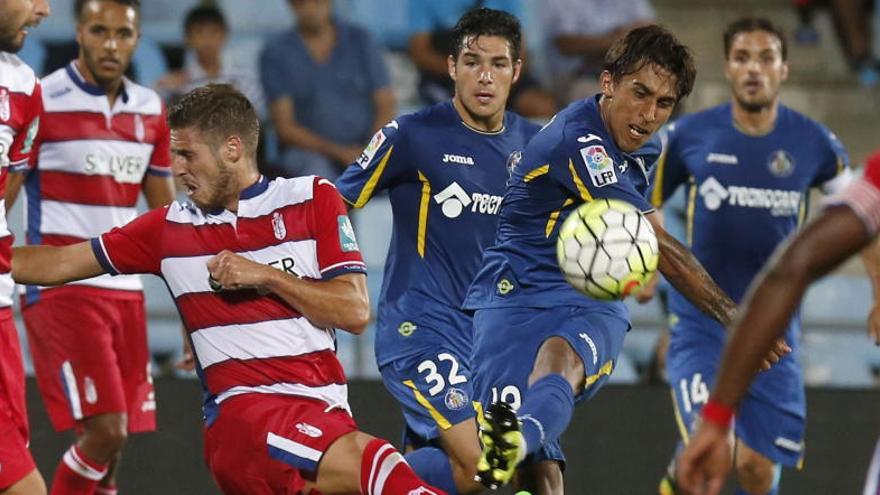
(780, 348)
(646, 293)
(187, 361)
(874, 324)
(232, 271)
(705, 462)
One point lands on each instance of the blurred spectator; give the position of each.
(205, 35)
(431, 22)
(328, 90)
(852, 22)
(579, 32)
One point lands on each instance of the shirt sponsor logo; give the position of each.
(347, 240)
(278, 227)
(454, 199)
(459, 159)
(5, 109)
(126, 169)
(779, 202)
(722, 158)
(371, 149)
(600, 165)
(781, 164)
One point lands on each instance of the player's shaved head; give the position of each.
(749, 25)
(218, 111)
(486, 22)
(652, 45)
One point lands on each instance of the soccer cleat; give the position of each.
(503, 446)
(667, 486)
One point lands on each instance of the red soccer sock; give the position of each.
(385, 472)
(76, 474)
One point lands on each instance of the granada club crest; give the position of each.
(278, 226)
(139, 128)
(5, 111)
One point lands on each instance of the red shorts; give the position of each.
(15, 459)
(271, 444)
(89, 348)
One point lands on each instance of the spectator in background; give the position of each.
(431, 25)
(205, 34)
(577, 39)
(852, 22)
(328, 90)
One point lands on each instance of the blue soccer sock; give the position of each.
(546, 411)
(432, 465)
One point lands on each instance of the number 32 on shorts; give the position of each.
(434, 379)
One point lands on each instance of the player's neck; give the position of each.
(249, 176)
(755, 123)
(491, 124)
(211, 65)
(112, 88)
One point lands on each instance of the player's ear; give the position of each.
(450, 66)
(784, 71)
(606, 84)
(233, 148)
(517, 70)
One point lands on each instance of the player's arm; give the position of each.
(341, 302)
(51, 265)
(14, 181)
(871, 259)
(682, 269)
(158, 190)
(292, 134)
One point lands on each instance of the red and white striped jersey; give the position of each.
(90, 161)
(19, 120)
(245, 342)
(863, 195)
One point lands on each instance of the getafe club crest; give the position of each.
(781, 164)
(278, 226)
(5, 111)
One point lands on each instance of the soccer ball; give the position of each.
(607, 249)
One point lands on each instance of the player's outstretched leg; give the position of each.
(503, 446)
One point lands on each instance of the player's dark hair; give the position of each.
(486, 22)
(220, 111)
(751, 24)
(652, 45)
(80, 5)
(204, 14)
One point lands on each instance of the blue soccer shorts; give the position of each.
(771, 419)
(435, 390)
(506, 344)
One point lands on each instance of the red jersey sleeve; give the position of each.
(22, 146)
(160, 161)
(337, 247)
(135, 247)
(863, 195)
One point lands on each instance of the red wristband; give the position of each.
(718, 414)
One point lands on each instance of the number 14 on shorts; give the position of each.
(693, 394)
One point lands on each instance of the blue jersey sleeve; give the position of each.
(588, 170)
(669, 171)
(834, 171)
(379, 167)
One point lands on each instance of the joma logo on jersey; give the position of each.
(126, 169)
(454, 199)
(459, 159)
(779, 202)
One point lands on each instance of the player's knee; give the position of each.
(756, 474)
(106, 433)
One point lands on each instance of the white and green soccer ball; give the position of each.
(607, 249)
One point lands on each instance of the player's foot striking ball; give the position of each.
(503, 446)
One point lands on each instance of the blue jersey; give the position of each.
(572, 160)
(446, 182)
(745, 194)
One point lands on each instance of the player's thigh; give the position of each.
(133, 358)
(31, 484)
(434, 389)
(273, 444)
(75, 358)
(774, 432)
(755, 471)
